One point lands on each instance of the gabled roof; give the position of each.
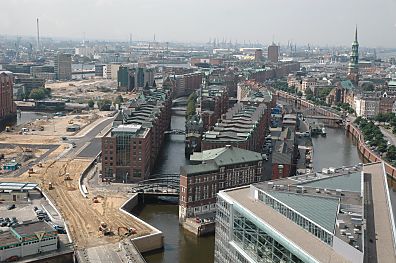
(227, 155)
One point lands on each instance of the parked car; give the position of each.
(10, 207)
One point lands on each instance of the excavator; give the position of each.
(124, 232)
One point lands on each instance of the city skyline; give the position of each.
(255, 21)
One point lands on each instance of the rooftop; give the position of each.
(350, 204)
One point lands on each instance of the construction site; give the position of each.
(91, 221)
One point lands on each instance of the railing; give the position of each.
(165, 185)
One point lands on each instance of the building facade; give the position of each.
(27, 240)
(7, 105)
(219, 169)
(273, 53)
(319, 217)
(131, 148)
(63, 68)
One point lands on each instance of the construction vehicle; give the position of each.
(67, 177)
(40, 165)
(30, 171)
(50, 187)
(95, 199)
(124, 232)
(104, 229)
(7, 129)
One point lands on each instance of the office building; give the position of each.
(273, 53)
(63, 68)
(130, 149)
(7, 105)
(338, 215)
(219, 169)
(258, 55)
(101, 70)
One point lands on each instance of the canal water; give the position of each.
(335, 150)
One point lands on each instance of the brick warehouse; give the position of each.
(7, 105)
(131, 148)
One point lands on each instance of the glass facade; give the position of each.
(308, 225)
(255, 242)
(123, 148)
(240, 238)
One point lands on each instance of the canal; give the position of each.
(335, 150)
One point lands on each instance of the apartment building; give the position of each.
(218, 169)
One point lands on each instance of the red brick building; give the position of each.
(7, 105)
(243, 126)
(131, 148)
(219, 169)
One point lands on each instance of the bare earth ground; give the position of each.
(86, 89)
(81, 215)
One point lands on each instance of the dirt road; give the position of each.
(82, 215)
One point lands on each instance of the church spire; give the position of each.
(356, 40)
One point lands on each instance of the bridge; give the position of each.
(314, 113)
(176, 132)
(165, 185)
(182, 101)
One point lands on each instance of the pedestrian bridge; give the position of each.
(163, 184)
(176, 132)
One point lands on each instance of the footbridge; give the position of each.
(162, 184)
(176, 132)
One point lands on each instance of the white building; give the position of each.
(27, 240)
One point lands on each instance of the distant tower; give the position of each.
(273, 53)
(38, 35)
(353, 67)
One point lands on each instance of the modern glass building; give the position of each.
(343, 216)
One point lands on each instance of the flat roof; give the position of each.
(281, 224)
(33, 227)
(348, 182)
(7, 238)
(17, 186)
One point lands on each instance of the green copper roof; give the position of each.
(320, 210)
(227, 155)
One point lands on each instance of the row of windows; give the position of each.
(27, 243)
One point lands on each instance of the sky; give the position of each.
(317, 22)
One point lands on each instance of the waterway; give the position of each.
(335, 150)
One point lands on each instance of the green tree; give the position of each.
(191, 105)
(119, 99)
(391, 153)
(91, 103)
(40, 93)
(104, 105)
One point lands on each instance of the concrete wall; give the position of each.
(153, 241)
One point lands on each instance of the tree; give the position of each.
(299, 93)
(308, 91)
(104, 105)
(391, 153)
(39, 93)
(119, 99)
(147, 85)
(91, 103)
(191, 105)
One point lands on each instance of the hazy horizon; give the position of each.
(318, 22)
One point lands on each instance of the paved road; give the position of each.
(388, 135)
(49, 147)
(88, 146)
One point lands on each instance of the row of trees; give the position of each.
(375, 138)
(389, 118)
(105, 104)
(191, 105)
